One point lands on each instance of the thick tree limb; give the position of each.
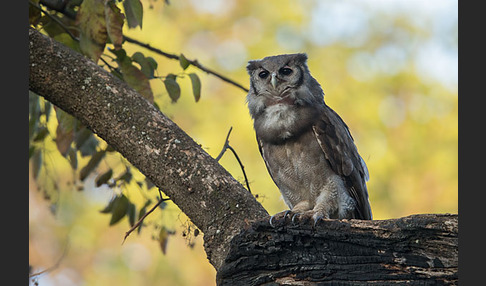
(414, 250)
(216, 203)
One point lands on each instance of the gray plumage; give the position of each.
(307, 148)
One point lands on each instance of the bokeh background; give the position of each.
(389, 68)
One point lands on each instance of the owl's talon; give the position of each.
(317, 219)
(286, 213)
(270, 221)
(284, 216)
(294, 216)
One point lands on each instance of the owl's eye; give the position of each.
(263, 74)
(284, 71)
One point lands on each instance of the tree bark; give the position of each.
(414, 250)
(215, 202)
(418, 250)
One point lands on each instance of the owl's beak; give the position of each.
(273, 81)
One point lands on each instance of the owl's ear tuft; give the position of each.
(252, 65)
(301, 58)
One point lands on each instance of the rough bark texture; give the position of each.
(414, 250)
(419, 250)
(215, 202)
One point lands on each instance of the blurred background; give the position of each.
(389, 68)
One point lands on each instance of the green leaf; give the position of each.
(131, 213)
(36, 162)
(34, 113)
(109, 207)
(31, 151)
(172, 87)
(85, 141)
(92, 163)
(127, 176)
(162, 205)
(141, 213)
(149, 183)
(147, 64)
(65, 120)
(119, 210)
(93, 33)
(152, 63)
(63, 140)
(133, 76)
(163, 237)
(138, 81)
(47, 110)
(134, 13)
(183, 62)
(103, 178)
(41, 134)
(64, 130)
(114, 23)
(196, 86)
(73, 158)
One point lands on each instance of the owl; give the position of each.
(307, 148)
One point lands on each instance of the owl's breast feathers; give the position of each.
(287, 100)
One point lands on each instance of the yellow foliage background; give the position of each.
(389, 68)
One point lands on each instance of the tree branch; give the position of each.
(61, 9)
(143, 217)
(192, 62)
(228, 146)
(413, 250)
(215, 202)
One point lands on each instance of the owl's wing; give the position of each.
(338, 146)
(261, 148)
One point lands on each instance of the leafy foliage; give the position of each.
(134, 11)
(404, 121)
(98, 24)
(95, 28)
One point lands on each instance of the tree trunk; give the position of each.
(414, 250)
(214, 201)
(421, 250)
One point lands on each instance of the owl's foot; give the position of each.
(285, 213)
(297, 216)
(307, 215)
(301, 216)
(317, 217)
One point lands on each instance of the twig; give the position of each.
(143, 217)
(242, 167)
(192, 62)
(227, 146)
(226, 143)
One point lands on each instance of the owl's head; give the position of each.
(275, 74)
(282, 79)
